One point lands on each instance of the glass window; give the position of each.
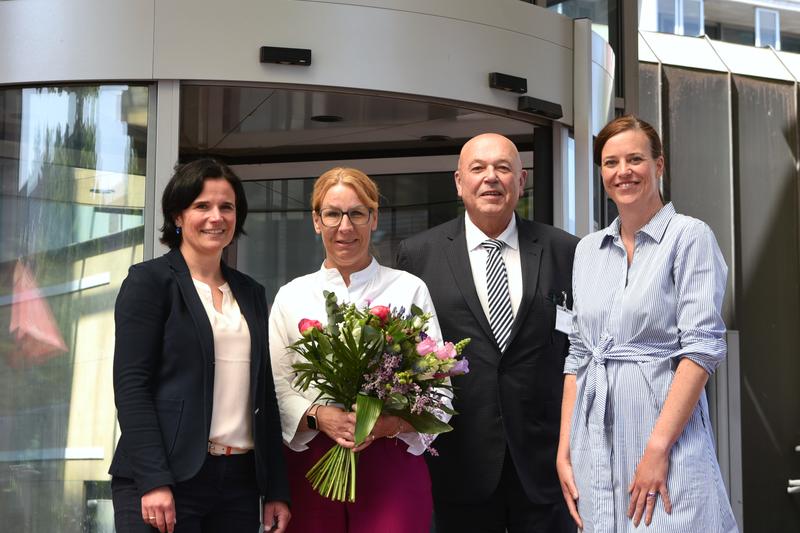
(790, 42)
(693, 24)
(681, 17)
(768, 28)
(738, 35)
(279, 219)
(667, 15)
(571, 184)
(72, 188)
(595, 10)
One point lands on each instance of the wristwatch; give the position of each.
(311, 417)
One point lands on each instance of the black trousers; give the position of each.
(223, 497)
(507, 510)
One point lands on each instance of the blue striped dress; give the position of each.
(631, 327)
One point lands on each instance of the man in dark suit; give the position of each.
(497, 278)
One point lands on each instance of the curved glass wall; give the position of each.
(72, 192)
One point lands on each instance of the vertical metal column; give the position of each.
(166, 155)
(543, 175)
(561, 176)
(582, 120)
(628, 54)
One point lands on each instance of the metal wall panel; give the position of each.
(649, 94)
(768, 298)
(696, 132)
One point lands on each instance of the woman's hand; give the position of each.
(649, 482)
(385, 426)
(276, 516)
(337, 424)
(568, 487)
(563, 461)
(158, 509)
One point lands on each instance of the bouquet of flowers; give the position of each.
(379, 360)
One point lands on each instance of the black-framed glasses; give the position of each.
(332, 217)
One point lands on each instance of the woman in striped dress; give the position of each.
(636, 442)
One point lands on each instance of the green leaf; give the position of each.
(368, 409)
(371, 337)
(449, 411)
(396, 402)
(416, 311)
(324, 343)
(424, 422)
(333, 310)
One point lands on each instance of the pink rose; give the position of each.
(382, 312)
(448, 351)
(306, 325)
(426, 346)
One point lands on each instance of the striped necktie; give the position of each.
(501, 315)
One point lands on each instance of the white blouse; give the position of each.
(231, 423)
(302, 298)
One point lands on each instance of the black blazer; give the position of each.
(507, 400)
(164, 378)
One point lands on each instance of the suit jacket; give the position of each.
(509, 400)
(164, 378)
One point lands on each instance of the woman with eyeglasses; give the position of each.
(394, 488)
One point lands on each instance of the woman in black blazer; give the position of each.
(201, 436)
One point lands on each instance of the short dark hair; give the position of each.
(186, 185)
(625, 123)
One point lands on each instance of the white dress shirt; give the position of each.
(510, 254)
(302, 298)
(231, 421)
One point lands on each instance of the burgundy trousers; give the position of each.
(393, 492)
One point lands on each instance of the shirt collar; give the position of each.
(474, 235)
(357, 279)
(654, 229)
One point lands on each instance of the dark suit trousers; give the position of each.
(221, 498)
(507, 510)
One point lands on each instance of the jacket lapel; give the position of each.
(458, 259)
(246, 299)
(193, 303)
(530, 256)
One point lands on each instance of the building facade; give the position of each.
(99, 100)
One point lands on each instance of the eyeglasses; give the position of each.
(332, 217)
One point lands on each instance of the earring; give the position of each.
(178, 230)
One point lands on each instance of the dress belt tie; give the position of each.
(595, 402)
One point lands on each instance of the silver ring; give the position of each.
(652, 494)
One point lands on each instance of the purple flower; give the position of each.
(461, 367)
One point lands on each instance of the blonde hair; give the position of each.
(365, 188)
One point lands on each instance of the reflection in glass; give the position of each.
(595, 10)
(72, 171)
(281, 243)
(768, 28)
